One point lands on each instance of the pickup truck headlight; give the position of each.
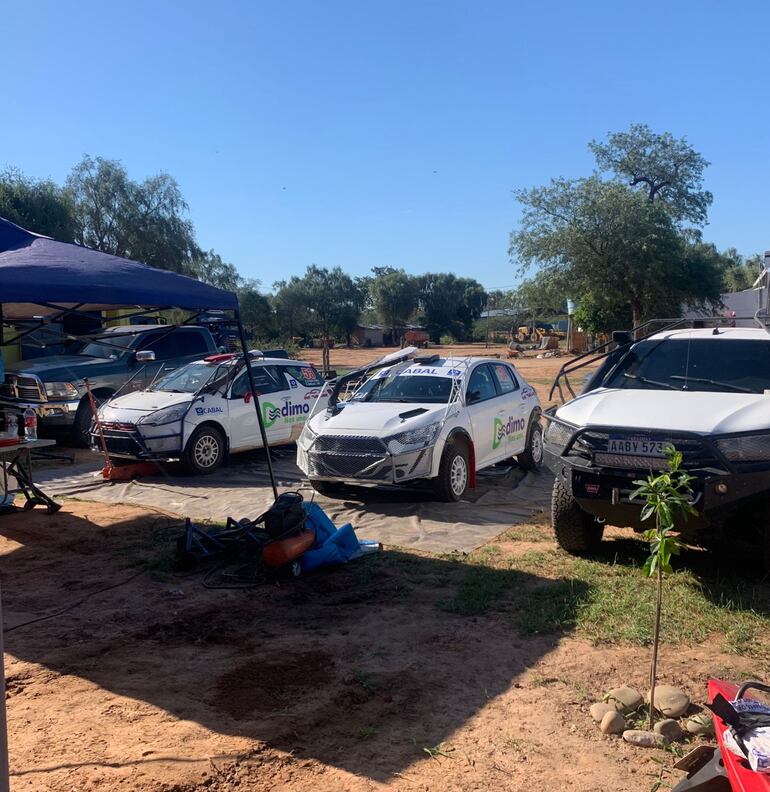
(749, 448)
(165, 416)
(413, 438)
(61, 390)
(558, 433)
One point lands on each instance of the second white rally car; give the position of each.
(199, 412)
(425, 418)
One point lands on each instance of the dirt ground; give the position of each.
(539, 373)
(355, 678)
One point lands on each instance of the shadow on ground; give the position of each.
(361, 667)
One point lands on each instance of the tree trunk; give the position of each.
(655, 642)
(636, 311)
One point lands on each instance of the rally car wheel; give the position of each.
(453, 473)
(84, 418)
(532, 456)
(576, 531)
(205, 450)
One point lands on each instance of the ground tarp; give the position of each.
(399, 517)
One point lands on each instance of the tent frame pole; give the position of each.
(5, 783)
(255, 399)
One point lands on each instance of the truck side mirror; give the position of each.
(145, 356)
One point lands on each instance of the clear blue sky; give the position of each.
(365, 134)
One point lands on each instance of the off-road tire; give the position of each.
(81, 429)
(205, 450)
(329, 489)
(576, 531)
(532, 456)
(449, 469)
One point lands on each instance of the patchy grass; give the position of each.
(608, 597)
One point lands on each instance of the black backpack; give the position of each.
(285, 517)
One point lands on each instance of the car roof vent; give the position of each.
(427, 359)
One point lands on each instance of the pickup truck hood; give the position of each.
(689, 411)
(142, 402)
(379, 419)
(61, 368)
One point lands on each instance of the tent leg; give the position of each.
(257, 407)
(4, 781)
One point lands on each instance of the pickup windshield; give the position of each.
(107, 349)
(419, 389)
(699, 364)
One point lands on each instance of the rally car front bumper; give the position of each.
(602, 483)
(131, 441)
(361, 459)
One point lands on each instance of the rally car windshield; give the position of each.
(187, 379)
(699, 364)
(416, 389)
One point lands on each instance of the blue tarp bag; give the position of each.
(332, 545)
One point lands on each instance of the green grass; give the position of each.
(609, 599)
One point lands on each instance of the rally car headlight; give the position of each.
(558, 433)
(61, 390)
(749, 448)
(413, 438)
(165, 416)
(308, 435)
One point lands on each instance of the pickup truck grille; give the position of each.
(695, 454)
(25, 388)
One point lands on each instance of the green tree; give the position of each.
(290, 304)
(40, 206)
(739, 273)
(662, 167)
(394, 296)
(144, 221)
(209, 267)
(607, 238)
(256, 310)
(595, 314)
(450, 305)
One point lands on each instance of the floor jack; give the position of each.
(111, 471)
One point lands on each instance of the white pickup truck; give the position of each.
(705, 391)
(201, 411)
(425, 418)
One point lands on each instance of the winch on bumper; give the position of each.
(361, 458)
(140, 441)
(601, 481)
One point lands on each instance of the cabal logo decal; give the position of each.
(291, 413)
(207, 410)
(512, 429)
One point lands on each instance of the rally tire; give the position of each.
(84, 417)
(532, 456)
(576, 531)
(205, 450)
(329, 489)
(453, 473)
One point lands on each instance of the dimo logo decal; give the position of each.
(291, 413)
(270, 414)
(512, 429)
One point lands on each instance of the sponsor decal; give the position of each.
(512, 429)
(314, 393)
(289, 412)
(293, 383)
(308, 374)
(207, 410)
(527, 392)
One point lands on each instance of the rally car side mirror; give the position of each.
(473, 396)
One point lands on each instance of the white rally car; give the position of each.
(199, 412)
(429, 418)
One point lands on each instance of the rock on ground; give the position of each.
(700, 724)
(612, 723)
(643, 739)
(600, 709)
(669, 730)
(670, 701)
(625, 699)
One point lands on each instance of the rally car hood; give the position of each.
(684, 411)
(143, 402)
(378, 419)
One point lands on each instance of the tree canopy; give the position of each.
(394, 296)
(37, 205)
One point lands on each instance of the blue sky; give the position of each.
(362, 134)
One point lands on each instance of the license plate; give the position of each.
(637, 446)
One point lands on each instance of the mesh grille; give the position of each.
(349, 444)
(371, 467)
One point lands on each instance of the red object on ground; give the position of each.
(278, 554)
(742, 778)
(112, 472)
